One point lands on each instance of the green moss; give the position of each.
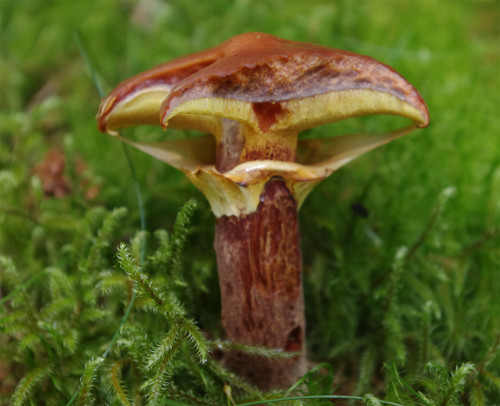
(401, 303)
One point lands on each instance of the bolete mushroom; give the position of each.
(254, 93)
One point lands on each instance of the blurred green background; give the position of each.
(415, 281)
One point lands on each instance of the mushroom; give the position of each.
(254, 94)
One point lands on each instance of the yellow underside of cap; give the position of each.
(301, 114)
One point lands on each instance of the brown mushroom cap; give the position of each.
(137, 100)
(268, 80)
(255, 92)
(265, 82)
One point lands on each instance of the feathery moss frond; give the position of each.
(456, 384)
(91, 371)
(233, 380)
(196, 339)
(263, 352)
(28, 383)
(102, 239)
(163, 349)
(371, 400)
(158, 382)
(117, 383)
(449, 386)
(167, 257)
(134, 271)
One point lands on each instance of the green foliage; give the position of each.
(371, 400)
(27, 383)
(89, 376)
(401, 304)
(42, 326)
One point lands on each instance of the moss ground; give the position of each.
(401, 247)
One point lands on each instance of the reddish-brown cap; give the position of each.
(268, 83)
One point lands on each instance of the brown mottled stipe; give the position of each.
(259, 265)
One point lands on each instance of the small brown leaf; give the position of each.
(51, 173)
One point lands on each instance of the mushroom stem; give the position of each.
(260, 266)
(260, 273)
